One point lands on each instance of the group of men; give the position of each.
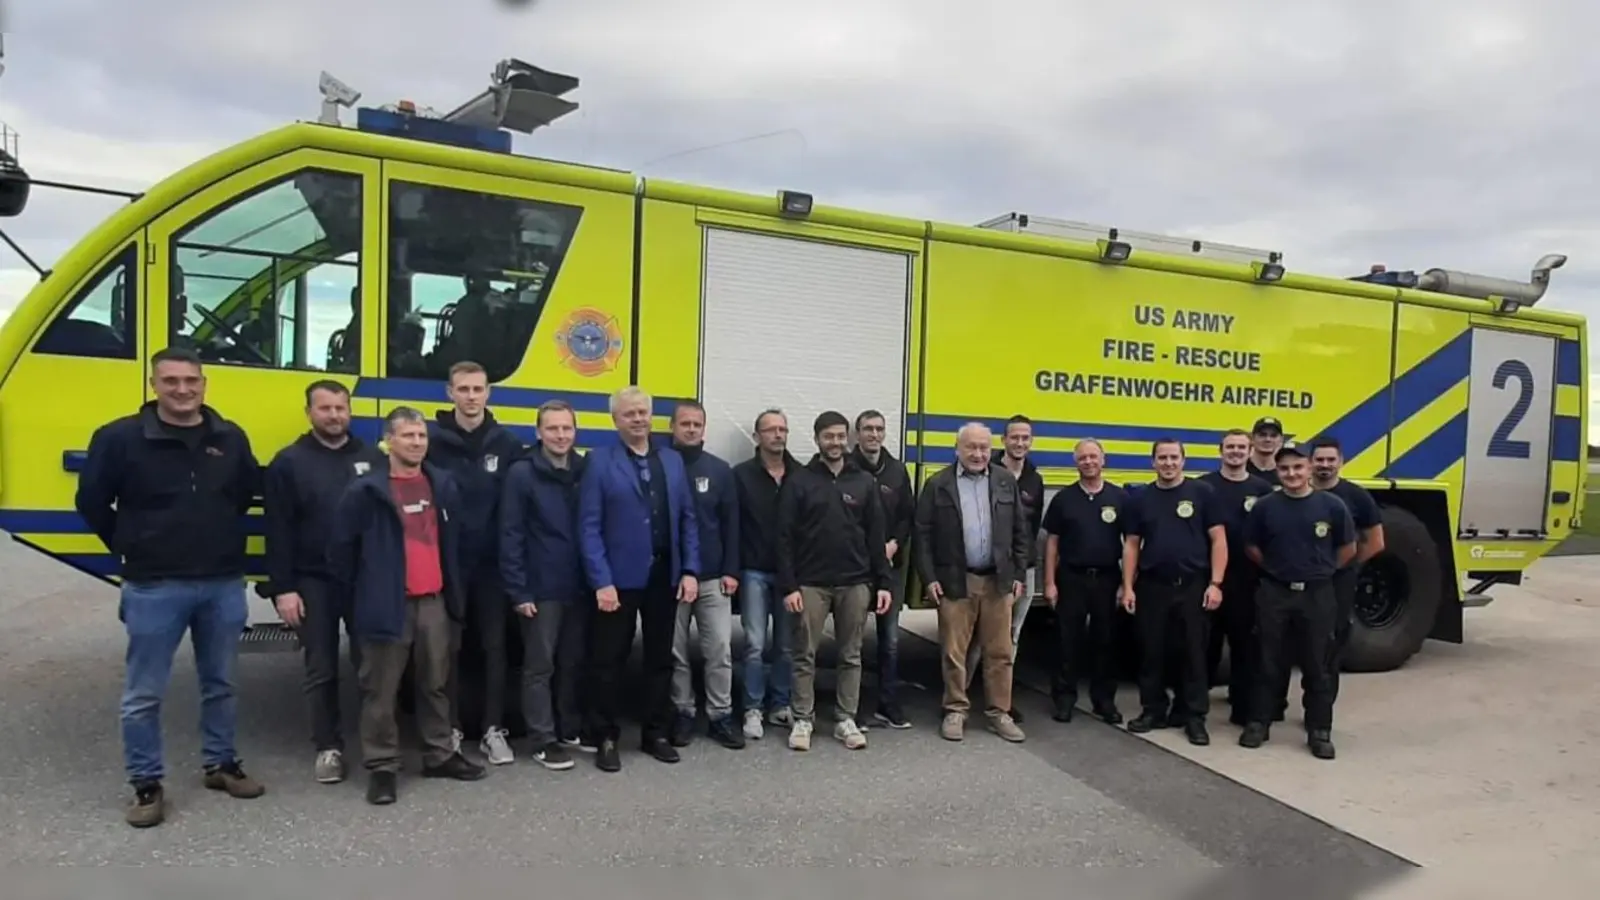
(1262, 554)
(458, 535)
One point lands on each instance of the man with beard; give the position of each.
(1237, 492)
(1082, 559)
(542, 568)
(1018, 442)
(302, 486)
(899, 506)
(717, 519)
(1175, 553)
(760, 481)
(641, 550)
(470, 445)
(831, 561)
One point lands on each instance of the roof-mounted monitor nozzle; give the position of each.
(1483, 287)
(521, 97)
(335, 94)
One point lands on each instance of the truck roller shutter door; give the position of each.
(803, 326)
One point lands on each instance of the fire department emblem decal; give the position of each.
(363, 467)
(1108, 515)
(590, 342)
(491, 463)
(702, 484)
(1185, 509)
(1321, 529)
(1249, 503)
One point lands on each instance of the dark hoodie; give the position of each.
(894, 491)
(302, 486)
(758, 511)
(477, 461)
(1030, 490)
(830, 529)
(716, 502)
(540, 560)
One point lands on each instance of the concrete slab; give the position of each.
(1478, 755)
(1074, 797)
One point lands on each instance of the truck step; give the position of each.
(269, 637)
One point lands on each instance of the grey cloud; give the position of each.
(1342, 135)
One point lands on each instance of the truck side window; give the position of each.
(267, 280)
(98, 322)
(469, 276)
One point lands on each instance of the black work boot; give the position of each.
(1148, 721)
(381, 788)
(682, 730)
(1195, 730)
(1255, 734)
(458, 767)
(1320, 740)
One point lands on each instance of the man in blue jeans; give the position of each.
(166, 489)
(758, 481)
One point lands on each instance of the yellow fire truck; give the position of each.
(382, 253)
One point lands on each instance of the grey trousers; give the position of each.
(712, 616)
(848, 606)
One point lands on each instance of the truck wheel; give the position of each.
(1397, 596)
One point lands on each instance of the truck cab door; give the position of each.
(86, 356)
(270, 275)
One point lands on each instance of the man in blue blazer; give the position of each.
(641, 551)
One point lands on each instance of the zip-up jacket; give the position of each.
(830, 529)
(476, 461)
(1030, 490)
(758, 511)
(540, 557)
(367, 551)
(302, 487)
(179, 506)
(716, 506)
(899, 503)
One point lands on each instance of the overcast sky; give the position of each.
(1415, 134)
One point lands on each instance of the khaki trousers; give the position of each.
(425, 639)
(986, 613)
(848, 606)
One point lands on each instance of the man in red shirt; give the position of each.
(395, 550)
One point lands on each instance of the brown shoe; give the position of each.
(1003, 725)
(231, 778)
(148, 807)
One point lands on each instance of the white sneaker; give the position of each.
(495, 747)
(752, 725)
(850, 733)
(800, 735)
(455, 740)
(330, 767)
(783, 715)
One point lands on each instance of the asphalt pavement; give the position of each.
(1083, 794)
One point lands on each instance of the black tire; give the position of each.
(1397, 598)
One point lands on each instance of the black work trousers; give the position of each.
(325, 607)
(1234, 622)
(484, 635)
(1344, 595)
(1086, 609)
(1301, 615)
(1171, 618)
(654, 609)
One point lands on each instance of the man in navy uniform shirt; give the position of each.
(1237, 491)
(1175, 552)
(1299, 538)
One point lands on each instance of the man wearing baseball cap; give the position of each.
(1299, 537)
(1266, 437)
